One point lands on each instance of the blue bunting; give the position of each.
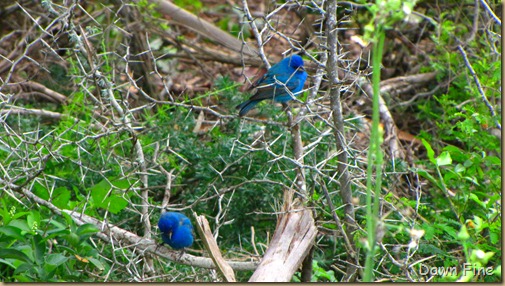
(282, 81)
(176, 230)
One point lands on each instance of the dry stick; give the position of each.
(202, 52)
(11, 109)
(479, 86)
(35, 86)
(168, 186)
(124, 238)
(338, 120)
(300, 181)
(306, 271)
(17, 110)
(9, 64)
(201, 26)
(488, 9)
(211, 54)
(289, 248)
(210, 243)
(256, 33)
(406, 83)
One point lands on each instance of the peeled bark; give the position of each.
(293, 238)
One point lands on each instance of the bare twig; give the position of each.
(479, 86)
(257, 35)
(488, 9)
(338, 121)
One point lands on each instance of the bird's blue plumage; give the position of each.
(282, 81)
(176, 230)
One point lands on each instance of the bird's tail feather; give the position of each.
(246, 106)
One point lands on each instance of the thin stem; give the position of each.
(375, 158)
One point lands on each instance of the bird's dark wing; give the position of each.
(272, 86)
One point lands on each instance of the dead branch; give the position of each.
(203, 228)
(339, 133)
(203, 27)
(293, 238)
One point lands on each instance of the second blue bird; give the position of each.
(176, 230)
(282, 81)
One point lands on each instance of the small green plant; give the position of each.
(319, 274)
(36, 249)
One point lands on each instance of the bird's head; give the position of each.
(295, 61)
(168, 222)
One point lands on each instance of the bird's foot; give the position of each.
(158, 245)
(181, 253)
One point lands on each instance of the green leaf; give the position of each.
(497, 271)
(40, 191)
(48, 273)
(56, 259)
(22, 225)
(26, 268)
(123, 184)
(15, 254)
(22, 278)
(115, 204)
(487, 257)
(445, 228)
(5, 215)
(39, 246)
(463, 233)
(476, 199)
(68, 219)
(73, 239)
(33, 220)
(425, 174)
(479, 223)
(61, 197)
(494, 237)
(493, 160)
(430, 249)
(444, 159)
(97, 263)
(8, 263)
(459, 168)
(87, 229)
(99, 193)
(13, 232)
(430, 152)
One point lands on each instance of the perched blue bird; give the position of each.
(285, 75)
(176, 230)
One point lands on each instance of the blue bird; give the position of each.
(285, 75)
(176, 230)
